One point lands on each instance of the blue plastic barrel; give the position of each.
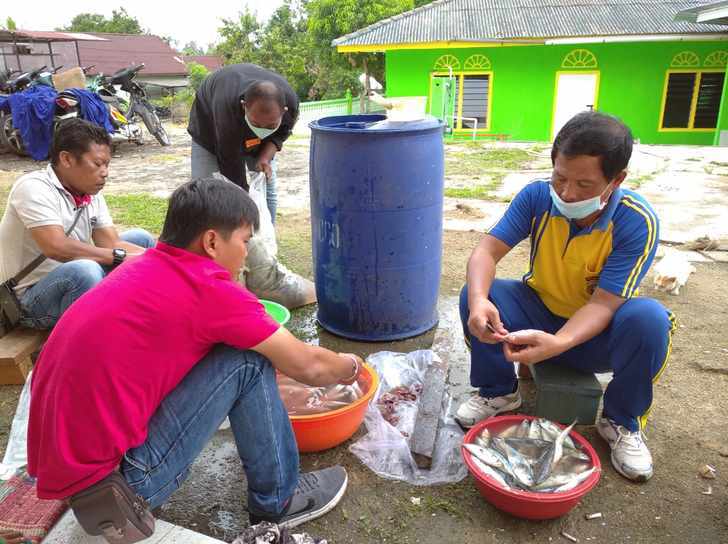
(376, 219)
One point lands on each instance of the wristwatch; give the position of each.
(119, 256)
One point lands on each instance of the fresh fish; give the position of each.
(535, 455)
(542, 465)
(483, 439)
(509, 432)
(563, 482)
(488, 456)
(551, 431)
(523, 429)
(357, 390)
(559, 445)
(520, 469)
(490, 471)
(529, 448)
(534, 430)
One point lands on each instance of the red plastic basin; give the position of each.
(528, 504)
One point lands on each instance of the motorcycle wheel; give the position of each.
(153, 124)
(10, 136)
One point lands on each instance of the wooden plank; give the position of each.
(15, 373)
(20, 343)
(422, 442)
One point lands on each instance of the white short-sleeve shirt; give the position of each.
(39, 199)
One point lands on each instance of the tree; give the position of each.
(330, 19)
(240, 38)
(120, 23)
(296, 43)
(285, 47)
(191, 48)
(9, 24)
(198, 73)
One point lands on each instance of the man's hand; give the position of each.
(531, 346)
(267, 152)
(484, 322)
(354, 376)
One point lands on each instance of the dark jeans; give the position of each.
(635, 346)
(232, 383)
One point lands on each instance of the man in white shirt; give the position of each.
(42, 207)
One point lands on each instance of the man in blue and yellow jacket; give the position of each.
(591, 244)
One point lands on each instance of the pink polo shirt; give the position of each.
(118, 351)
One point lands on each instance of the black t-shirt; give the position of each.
(217, 121)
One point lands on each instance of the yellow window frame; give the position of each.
(693, 104)
(459, 101)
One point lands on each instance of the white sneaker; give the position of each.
(478, 408)
(630, 456)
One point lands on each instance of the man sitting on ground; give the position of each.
(141, 371)
(43, 206)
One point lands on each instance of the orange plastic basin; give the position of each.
(318, 432)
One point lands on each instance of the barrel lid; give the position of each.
(372, 123)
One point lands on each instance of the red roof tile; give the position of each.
(123, 50)
(211, 62)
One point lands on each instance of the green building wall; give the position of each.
(631, 84)
(723, 115)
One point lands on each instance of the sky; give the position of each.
(198, 21)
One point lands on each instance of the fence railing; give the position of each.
(349, 105)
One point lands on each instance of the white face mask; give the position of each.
(261, 132)
(578, 210)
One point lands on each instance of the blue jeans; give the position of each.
(44, 302)
(204, 164)
(232, 383)
(635, 346)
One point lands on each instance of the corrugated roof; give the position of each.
(475, 20)
(211, 62)
(122, 50)
(714, 13)
(45, 36)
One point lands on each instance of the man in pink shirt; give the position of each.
(141, 371)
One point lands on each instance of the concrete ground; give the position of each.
(687, 429)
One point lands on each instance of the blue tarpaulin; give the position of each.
(33, 110)
(93, 108)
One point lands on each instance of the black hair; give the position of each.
(76, 136)
(598, 135)
(203, 204)
(266, 91)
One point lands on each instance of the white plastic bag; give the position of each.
(265, 275)
(266, 232)
(16, 454)
(384, 449)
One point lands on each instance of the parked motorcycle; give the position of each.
(131, 100)
(67, 107)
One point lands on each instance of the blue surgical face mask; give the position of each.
(578, 210)
(261, 132)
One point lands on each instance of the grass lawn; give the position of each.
(138, 211)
